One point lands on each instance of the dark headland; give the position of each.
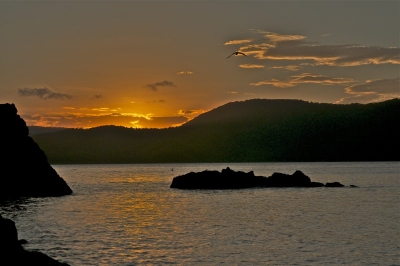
(230, 179)
(24, 172)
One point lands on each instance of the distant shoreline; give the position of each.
(175, 163)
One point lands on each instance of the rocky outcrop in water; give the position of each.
(24, 169)
(12, 252)
(229, 179)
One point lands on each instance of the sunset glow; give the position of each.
(147, 64)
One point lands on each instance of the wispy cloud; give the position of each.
(274, 46)
(372, 90)
(185, 73)
(43, 93)
(304, 78)
(155, 86)
(251, 66)
(101, 109)
(276, 37)
(237, 42)
(288, 68)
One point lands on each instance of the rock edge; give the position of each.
(230, 179)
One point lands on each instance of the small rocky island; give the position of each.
(24, 172)
(230, 179)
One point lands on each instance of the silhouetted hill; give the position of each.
(252, 109)
(249, 131)
(34, 130)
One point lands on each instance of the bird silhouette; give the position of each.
(236, 53)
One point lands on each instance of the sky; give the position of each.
(158, 64)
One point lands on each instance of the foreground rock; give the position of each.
(229, 179)
(24, 172)
(24, 169)
(12, 253)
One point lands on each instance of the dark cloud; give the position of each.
(294, 47)
(97, 96)
(186, 112)
(376, 86)
(43, 93)
(372, 91)
(361, 98)
(165, 83)
(305, 78)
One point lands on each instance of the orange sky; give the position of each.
(160, 63)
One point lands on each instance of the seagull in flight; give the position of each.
(236, 53)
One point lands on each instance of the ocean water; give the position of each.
(128, 215)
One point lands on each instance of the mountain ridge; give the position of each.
(257, 130)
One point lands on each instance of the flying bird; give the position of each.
(236, 53)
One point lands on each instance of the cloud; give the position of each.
(376, 86)
(101, 109)
(165, 83)
(237, 42)
(251, 66)
(274, 46)
(372, 91)
(97, 96)
(289, 68)
(190, 112)
(185, 73)
(275, 37)
(43, 93)
(304, 78)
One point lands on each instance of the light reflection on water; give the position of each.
(128, 215)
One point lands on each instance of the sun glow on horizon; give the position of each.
(74, 117)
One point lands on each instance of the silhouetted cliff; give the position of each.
(13, 254)
(258, 130)
(24, 168)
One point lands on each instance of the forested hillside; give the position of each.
(33, 130)
(250, 131)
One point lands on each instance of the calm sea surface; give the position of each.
(128, 215)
